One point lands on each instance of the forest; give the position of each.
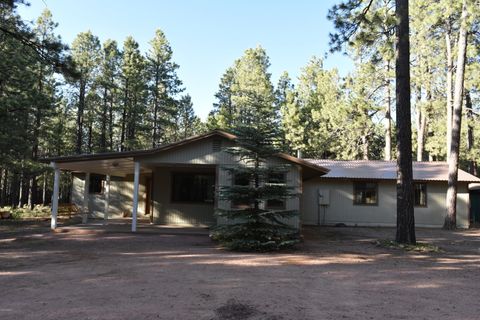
(96, 95)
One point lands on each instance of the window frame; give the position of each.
(192, 173)
(426, 195)
(233, 205)
(376, 193)
(99, 178)
(284, 201)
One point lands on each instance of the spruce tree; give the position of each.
(257, 187)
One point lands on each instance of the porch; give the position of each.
(166, 194)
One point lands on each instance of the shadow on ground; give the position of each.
(97, 272)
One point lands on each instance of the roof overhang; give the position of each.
(122, 163)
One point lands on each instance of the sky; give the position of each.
(206, 36)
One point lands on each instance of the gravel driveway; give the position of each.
(166, 273)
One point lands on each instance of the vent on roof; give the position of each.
(216, 145)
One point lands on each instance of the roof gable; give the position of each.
(311, 168)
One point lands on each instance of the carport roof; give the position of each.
(121, 163)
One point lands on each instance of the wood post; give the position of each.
(107, 198)
(56, 187)
(85, 198)
(136, 181)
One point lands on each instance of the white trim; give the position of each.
(136, 181)
(85, 198)
(56, 188)
(107, 198)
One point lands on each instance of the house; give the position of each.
(175, 184)
(171, 184)
(363, 193)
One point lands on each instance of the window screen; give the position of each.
(420, 194)
(365, 193)
(193, 187)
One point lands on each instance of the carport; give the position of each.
(118, 164)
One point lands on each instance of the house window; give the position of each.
(191, 187)
(241, 180)
(276, 179)
(365, 193)
(420, 194)
(96, 184)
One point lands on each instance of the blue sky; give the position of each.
(206, 35)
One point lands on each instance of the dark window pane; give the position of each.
(275, 204)
(420, 194)
(241, 180)
(193, 187)
(365, 193)
(276, 179)
(96, 183)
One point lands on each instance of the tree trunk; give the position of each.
(103, 131)
(365, 146)
(449, 88)
(20, 191)
(81, 108)
(405, 214)
(14, 186)
(30, 193)
(90, 131)
(124, 118)
(110, 123)
(472, 165)
(421, 126)
(388, 117)
(451, 201)
(155, 110)
(3, 194)
(44, 189)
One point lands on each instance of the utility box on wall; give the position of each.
(323, 197)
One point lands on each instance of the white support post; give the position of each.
(107, 198)
(136, 181)
(85, 198)
(56, 188)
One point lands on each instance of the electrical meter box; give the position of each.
(323, 197)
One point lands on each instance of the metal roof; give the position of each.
(387, 170)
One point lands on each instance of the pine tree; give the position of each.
(223, 113)
(109, 87)
(246, 93)
(86, 56)
(252, 225)
(451, 201)
(321, 107)
(188, 124)
(133, 89)
(352, 18)
(292, 118)
(164, 86)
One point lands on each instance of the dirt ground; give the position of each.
(164, 273)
